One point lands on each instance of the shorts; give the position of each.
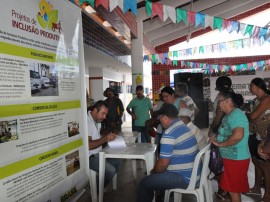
(235, 176)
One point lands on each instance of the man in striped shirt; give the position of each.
(177, 154)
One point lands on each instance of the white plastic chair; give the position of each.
(202, 192)
(93, 184)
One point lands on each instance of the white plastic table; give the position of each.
(144, 151)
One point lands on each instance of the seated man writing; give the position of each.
(178, 149)
(96, 114)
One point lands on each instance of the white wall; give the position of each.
(99, 85)
(147, 75)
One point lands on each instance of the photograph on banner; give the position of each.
(73, 128)
(8, 131)
(72, 162)
(43, 79)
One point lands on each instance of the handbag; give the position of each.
(215, 163)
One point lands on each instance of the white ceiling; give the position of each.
(97, 59)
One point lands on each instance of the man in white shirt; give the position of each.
(185, 115)
(182, 91)
(96, 114)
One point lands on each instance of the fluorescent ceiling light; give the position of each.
(90, 10)
(117, 34)
(106, 24)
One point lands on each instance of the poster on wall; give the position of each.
(240, 84)
(42, 129)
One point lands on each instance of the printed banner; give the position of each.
(42, 129)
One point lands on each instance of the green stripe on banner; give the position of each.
(11, 49)
(22, 109)
(24, 164)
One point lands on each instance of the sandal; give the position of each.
(222, 195)
(251, 192)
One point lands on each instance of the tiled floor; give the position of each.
(127, 187)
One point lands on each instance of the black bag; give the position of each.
(215, 162)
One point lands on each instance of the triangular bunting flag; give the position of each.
(170, 12)
(104, 3)
(218, 23)
(191, 17)
(225, 24)
(174, 63)
(200, 19)
(209, 21)
(256, 32)
(201, 49)
(248, 30)
(148, 6)
(234, 27)
(157, 9)
(263, 33)
(113, 4)
(92, 3)
(81, 1)
(130, 4)
(181, 15)
(242, 28)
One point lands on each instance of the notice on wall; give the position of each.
(240, 84)
(42, 129)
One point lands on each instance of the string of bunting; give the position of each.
(214, 68)
(258, 34)
(164, 58)
(177, 15)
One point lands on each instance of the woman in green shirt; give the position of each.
(232, 141)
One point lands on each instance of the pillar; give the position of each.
(137, 58)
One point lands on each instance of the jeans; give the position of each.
(111, 167)
(159, 182)
(144, 133)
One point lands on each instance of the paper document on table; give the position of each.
(118, 142)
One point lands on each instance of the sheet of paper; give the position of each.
(118, 142)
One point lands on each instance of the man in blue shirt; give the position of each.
(177, 154)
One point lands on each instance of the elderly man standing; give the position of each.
(178, 149)
(182, 91)
(96, 114)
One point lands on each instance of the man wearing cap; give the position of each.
(113, 121)
(178, 150)
(185, 115)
